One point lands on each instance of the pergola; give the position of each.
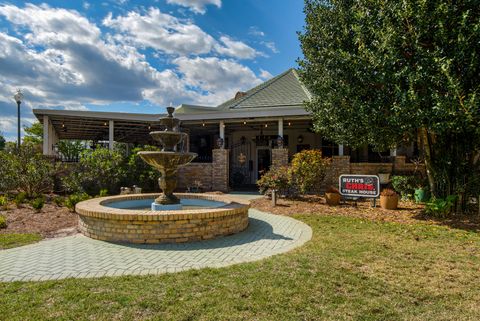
(135, 128)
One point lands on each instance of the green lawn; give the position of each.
(353, 269)
(16, 239)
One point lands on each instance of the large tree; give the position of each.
(386, 71)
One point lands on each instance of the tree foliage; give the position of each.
(2, 142)
(387, 71)
(33, 134)
(25, 170)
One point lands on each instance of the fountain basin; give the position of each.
(125, 218)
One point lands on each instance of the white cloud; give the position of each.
(236, 49)
(255, 31)
(197, 6)
(220, 77)
(265, 75)
(270, 45)
(61, 59)
(161, 31)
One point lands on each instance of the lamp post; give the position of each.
(18, 98)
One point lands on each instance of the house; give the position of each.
(235, 141)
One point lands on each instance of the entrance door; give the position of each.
(264, 160)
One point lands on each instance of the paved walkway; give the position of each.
(81, 257)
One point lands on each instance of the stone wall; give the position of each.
(212, 176)
(341, 165)
(189, 174)
(280, 156)
(221, 168)
(144, 226)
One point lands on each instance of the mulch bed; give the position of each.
(407, 212)
(51, 221)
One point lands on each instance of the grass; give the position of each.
(353, 269)
(8, 241)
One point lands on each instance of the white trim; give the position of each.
(110, 134)
(46, 131)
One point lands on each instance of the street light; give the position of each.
(18, 98)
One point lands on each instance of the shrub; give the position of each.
(308, 170)
(3, 221)
(38, 203)
(406, 185)
(20, 198)
(440, 207)
(3, 202)
(388, 192)
(140, 173)
(59, 200)
(277, 178)
(26, 170)
(103, 192)
(97, 169)
(73, 199)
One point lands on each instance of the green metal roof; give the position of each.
(284, 90)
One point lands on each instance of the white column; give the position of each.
(340, 150)
(46, 129)
(280, 127)
(393, 152)
(51, 138)
(222, 130)
(110, 134)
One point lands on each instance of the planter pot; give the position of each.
(332, 199)
(420, 195)
(389, 202)
(384, 178)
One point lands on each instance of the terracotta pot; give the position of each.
(332, 198)
(389, 202)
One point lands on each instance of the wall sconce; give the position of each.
(300, 139)
(220, 143)
(280, 142)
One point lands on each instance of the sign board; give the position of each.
(359, 185)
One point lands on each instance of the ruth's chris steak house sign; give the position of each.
(359, 185)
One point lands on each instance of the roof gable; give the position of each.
(285, 89)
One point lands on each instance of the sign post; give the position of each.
(366, 186)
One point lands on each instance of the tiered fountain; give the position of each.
(168, 161)
(153, 218)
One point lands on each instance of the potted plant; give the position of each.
(389, 199)
(420, 194)
(332, 196)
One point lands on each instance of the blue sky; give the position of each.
(138, 56)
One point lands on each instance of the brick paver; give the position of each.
(81, 257)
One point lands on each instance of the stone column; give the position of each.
(340, 165)
(280, 156)
(220, 173)
(399, 163)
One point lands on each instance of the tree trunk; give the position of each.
(428, 160)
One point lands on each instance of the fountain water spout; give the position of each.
(168, 160)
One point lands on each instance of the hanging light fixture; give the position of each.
(289, 123)
(203, 124)
(244, 122)
(266, 125)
